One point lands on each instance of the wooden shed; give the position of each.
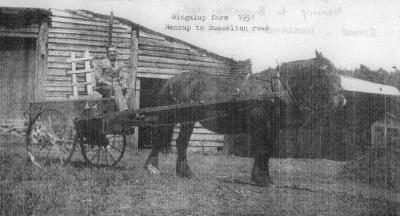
(381, 138)
(35, 44)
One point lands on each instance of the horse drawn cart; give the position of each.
(56, 127)
(292, 95)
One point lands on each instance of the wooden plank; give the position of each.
(85, 27)
(60, 83)
(133, 63)
(154, 76)
(63, 59)
(57, 55)
(155, 72)
(80, 71)
(67, 79)
(19, 34)
(56, 97)
(177, 51)
(198, 130)
(41, 62)
(67, 32)
(180, 45)
(95, 55)
(52, 77)
(172, 55)
(74, 14)
(150, 36)
(87, 37)
(59, 72)
(183, 62)
(59, 62)
(204, 150)
(62, 89)
(157, 75)
(110, 28)
(133, 97)
(166, 49)
(137, 98)
(87, 22)
(208, 150)
(81, 15)
(74, 81)
(183, 67)
(82, 48)
(58, 93)
(90, 18)
(59, 66)
(160, 70)
(135, 138)
(169, 44)
(199, 144)
(79, 59)
(84, 84)
(87, 43)
(89, 76)
(202, 137)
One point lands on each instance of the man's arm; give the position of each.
(123, 74)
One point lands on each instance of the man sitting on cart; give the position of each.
(111, 78)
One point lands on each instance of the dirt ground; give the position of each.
(221, 186)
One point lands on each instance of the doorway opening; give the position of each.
(17, 71)
(149, 88)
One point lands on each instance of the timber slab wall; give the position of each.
(146, 53)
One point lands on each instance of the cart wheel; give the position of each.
(50, 138)
(104, 154)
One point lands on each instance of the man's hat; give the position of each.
(110, 46)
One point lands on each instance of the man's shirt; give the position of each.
(105, 72)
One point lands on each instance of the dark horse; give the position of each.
(306, 89)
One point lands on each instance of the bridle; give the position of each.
(312, 110)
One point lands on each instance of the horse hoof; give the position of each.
(185, 174)
(263, 181)
(152, 169)
(183, 169)
(261, 178)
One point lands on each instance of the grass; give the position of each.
(79, 189)
(221, 186)
(376, 166)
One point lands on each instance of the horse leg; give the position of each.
(260, 172)
(151, 164)
(182, 165)
(162, 137)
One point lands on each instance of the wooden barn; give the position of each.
(36, 43)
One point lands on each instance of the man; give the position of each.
(110, 77)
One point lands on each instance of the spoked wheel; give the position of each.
(107, 150)
(50, 138)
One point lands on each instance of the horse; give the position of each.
(304, 88)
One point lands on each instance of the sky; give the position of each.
(268, 32)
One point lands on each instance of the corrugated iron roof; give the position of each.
(358, 85)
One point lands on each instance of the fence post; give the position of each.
(89, 76)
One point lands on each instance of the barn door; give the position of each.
(17, 61)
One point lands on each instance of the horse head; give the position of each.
(331, 77)
(315, 85)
